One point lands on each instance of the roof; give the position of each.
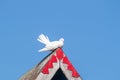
(55, 63)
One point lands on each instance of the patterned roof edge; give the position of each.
(47, 68)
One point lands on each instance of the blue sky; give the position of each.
(91, 29)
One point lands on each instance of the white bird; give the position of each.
(50, 46)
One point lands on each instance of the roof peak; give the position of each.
(50, 65)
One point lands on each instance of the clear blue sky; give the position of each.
(91, 29)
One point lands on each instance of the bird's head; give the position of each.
(61, 40)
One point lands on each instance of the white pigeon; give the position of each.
(50, 46)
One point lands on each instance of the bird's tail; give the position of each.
(44, 49)
(43, 39)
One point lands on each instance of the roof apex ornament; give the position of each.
(50, 46)
(55, 66)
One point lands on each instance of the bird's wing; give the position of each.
(43, 39)
(47, 38)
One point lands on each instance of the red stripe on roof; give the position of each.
(49, 64)
(70, 67)
(59, 54)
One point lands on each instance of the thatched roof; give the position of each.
(54, 65)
